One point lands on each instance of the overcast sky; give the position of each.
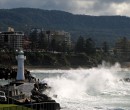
(88, 7)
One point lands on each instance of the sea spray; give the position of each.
(79, 82)
(81, 89)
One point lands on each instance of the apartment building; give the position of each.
(12, 39)
(122, 47)
(62, 36)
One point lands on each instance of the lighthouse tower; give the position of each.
(20, 69)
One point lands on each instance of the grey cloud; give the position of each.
(99, 7)
(56, 4)
(65, 5)
(13, 3)
(104, 7)
(112, 1)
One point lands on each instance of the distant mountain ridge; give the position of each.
(105, 28)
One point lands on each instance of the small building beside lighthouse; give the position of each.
(20, 69)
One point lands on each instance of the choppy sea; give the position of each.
(97, 88)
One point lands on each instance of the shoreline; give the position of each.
(51, 68)
(31, 67)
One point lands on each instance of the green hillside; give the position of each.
(100, 28)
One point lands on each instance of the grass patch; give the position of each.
(7, 105)
(13, 107)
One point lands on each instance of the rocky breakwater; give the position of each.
(11, 73)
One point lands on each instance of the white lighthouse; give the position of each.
(20, 69)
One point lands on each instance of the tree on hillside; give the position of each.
(53, 45)
(80, 46)
(64, 47)
(42, 42)
(34, 39)
(105, 47)
(48, 39)
(124, 42)
(90, 46)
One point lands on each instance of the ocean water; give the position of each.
(98, 88)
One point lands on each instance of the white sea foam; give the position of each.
(95, 88)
